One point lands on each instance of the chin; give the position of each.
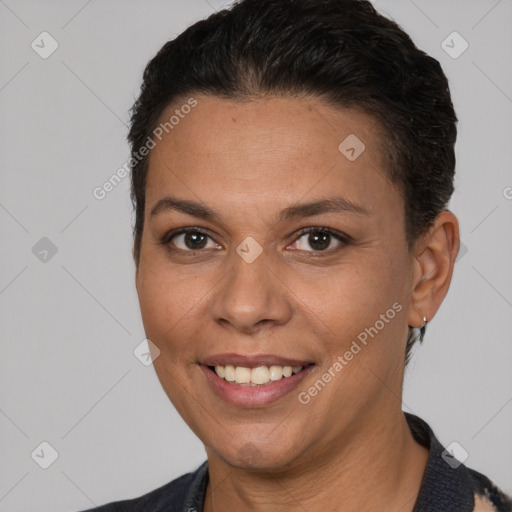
(251, 455)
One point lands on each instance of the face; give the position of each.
(295, 257)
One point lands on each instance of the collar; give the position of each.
(443, 486)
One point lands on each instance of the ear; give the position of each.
(435, 254)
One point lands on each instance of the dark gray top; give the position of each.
(447, 485)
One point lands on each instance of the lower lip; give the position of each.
(254, 396)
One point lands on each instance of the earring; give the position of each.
(423, 328)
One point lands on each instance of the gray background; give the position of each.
(70, 323)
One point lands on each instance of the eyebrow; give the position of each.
(301, 210)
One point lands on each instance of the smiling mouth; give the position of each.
(257, 376)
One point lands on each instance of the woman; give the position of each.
(292, 166)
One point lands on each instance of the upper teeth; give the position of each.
(258, 375)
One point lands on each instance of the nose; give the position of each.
(252, 297)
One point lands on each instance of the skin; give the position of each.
(349, 448)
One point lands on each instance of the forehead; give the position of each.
(284, 123)
(275, 144)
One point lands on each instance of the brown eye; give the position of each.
(189, 240)
(319, 239)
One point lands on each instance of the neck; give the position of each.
(376, 466)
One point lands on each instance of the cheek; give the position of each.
(167, 307)
(361, 302)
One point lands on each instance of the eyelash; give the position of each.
(341, 237)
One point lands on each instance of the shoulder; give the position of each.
(185, 492)
(448, 483)
(488, 498)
